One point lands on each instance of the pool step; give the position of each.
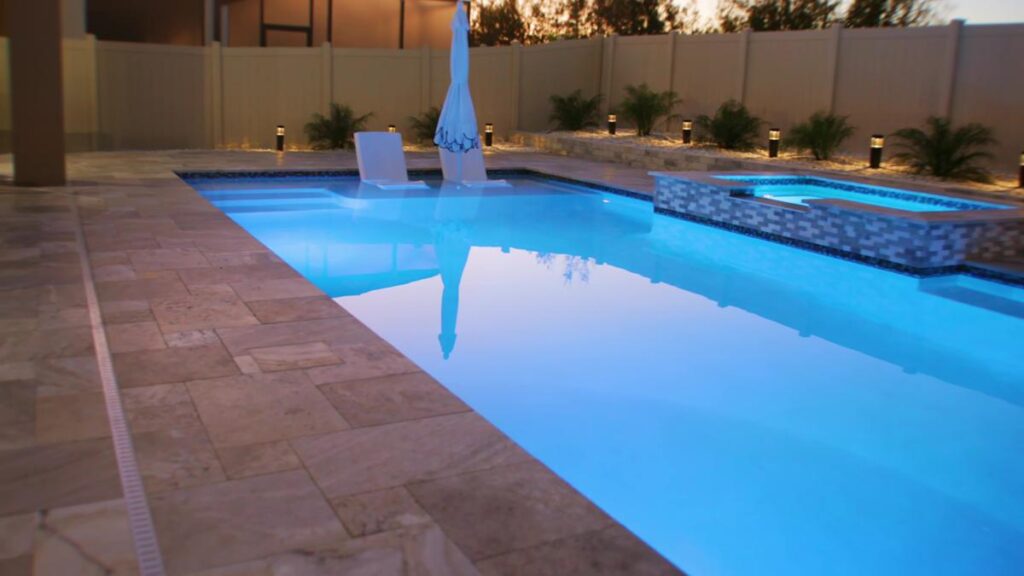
(272, 200)
(1012, 268)
(994, 296)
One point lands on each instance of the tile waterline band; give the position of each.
(140, 520)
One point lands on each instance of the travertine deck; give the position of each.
(274, 433)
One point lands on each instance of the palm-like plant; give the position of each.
(644, 107)
(574, 112)
(947, 152)
(822, 134)
(424, 126)
(732, 127)
(336, 130)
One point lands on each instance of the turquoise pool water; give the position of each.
(743, 406)
(800, 189)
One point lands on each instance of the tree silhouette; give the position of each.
(498, 23)
(763, 15)
(533, 21)
(632, 17)
(886, 13)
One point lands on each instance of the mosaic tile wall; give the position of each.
(915, 244)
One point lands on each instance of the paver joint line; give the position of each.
(140, 520)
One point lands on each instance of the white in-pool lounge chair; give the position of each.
(382, 161)
(472, 172)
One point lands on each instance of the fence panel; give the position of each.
(706, 72)
(889, 79)
(149, 97)
(558, 68)
(990, 85)
(385, 83)
(264, 87)
(788, 76)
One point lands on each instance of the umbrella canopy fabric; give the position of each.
(456, 128)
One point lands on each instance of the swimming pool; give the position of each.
(800, 189)
(743, 406)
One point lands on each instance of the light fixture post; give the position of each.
(1020, 175)
(877, 144)
(774, 136)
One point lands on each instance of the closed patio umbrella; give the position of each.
(457, 129)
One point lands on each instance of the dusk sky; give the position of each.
(973, 11)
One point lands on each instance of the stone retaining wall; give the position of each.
(631, 152)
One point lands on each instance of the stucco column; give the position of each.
(209, 21)
(73, 18)
(37, 98)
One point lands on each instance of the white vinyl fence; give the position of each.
(138, 96)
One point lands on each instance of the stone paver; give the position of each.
(606, 552)
(230, 522)
(255, 408)
(421, 549)
(391, 399)
(372, 512)
(206, 311)
(293, 309)
(148, 367)
(293, 356)
(255, 290)
(173, 458)
(55, 475)
(372, 358)
(331, 331)
(71, 417)
(90, 538)
(499, 510)
(354, 461)
(256, 459)
(134, 336)
(275, 433)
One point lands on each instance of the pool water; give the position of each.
(743, 406)
(798, 190)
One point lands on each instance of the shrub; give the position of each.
(335, 131)
(424, 126)
(574, 112)
(733, 127)
(941, 150)
(822, 134)
(644, 107)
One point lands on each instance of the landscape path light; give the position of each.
(877, 144)
(774, 136)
